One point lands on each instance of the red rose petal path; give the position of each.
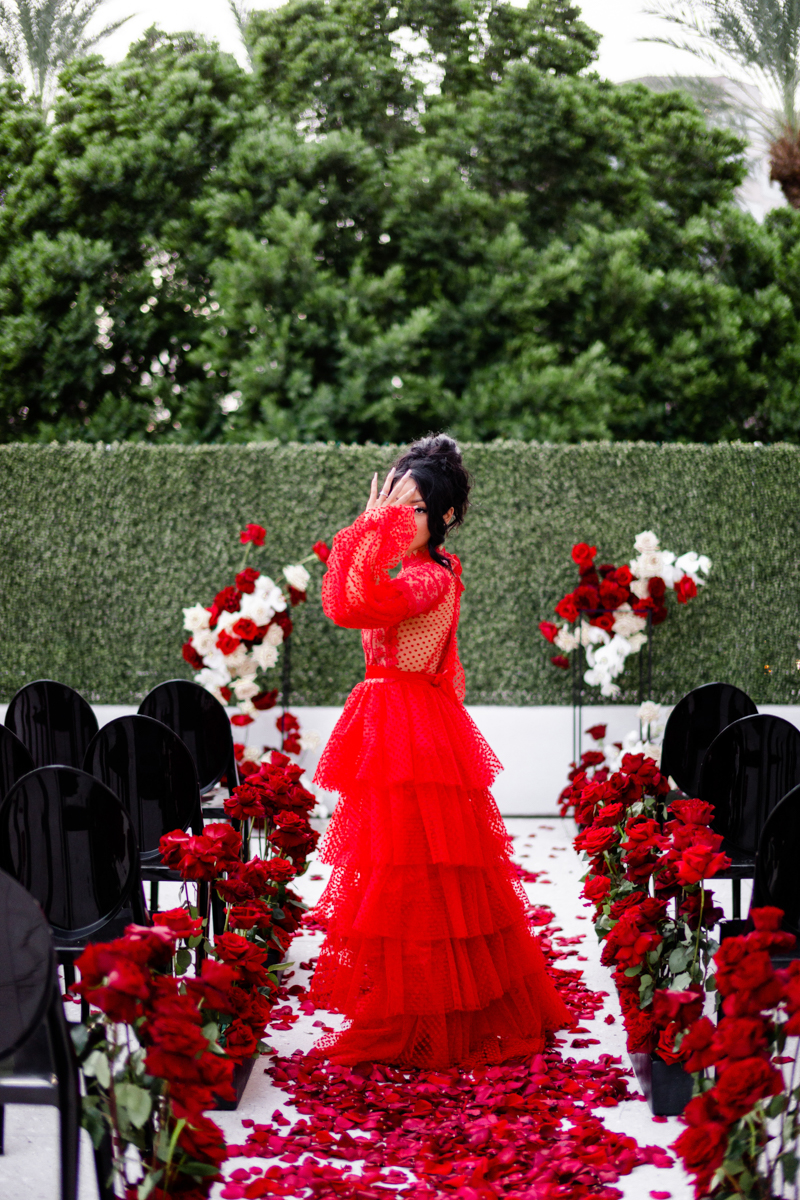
(556, 1127)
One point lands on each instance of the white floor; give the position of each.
(29, 1170)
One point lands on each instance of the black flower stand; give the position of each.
(666, 1086)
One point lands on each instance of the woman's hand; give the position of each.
(388, 496)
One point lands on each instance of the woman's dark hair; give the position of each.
(443, 482)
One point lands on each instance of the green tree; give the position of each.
(404, 217)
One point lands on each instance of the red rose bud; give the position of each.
(191, 656)
(598, 732)
(583, 556)
(548, 630)
(265, 700)
(567, 609)
(656, 587)
(322, 551)
(226, 643)
(245, 629)
(227, 600)
(246, 580)
(685, 589)
(241, 719)
(253, 533)
(296, 597)
(291, 743)
(560, 660)
(238, 751)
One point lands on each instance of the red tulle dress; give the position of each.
(428, 950)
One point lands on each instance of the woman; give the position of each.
(428, 952)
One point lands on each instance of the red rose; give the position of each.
(656, 587)
(567, 609)
(291, 743)
(640, 1030)
(240, 1041)
(203, 1141)
(766, 919)
(191, 656)
(253, 533)
(623, 576)
(583, 556)
(685, 589)
(246, 800)
(692, 812)
(612, 595)
(246, 580)
(743, 1083)
(227, 643)
(610, 814)
(280, 870)
(245, 629)
(548, 630)
(113, 982)
(697, 1045)
(702, 1149)
(682, 1008)
(227, 600)
(603, 621)
(178, 921)
(240, 719)
(659, 615)
(585, 598)
(226, 841)
(244, 955)
(561, 661)
(226, 694)
(595, 841)
(700, 862)
(740, 1037)
(287, 723)
(214, 986)
(285, 621)
(253, 914)
(265, 700)
(596, 888)
(296, 596)
(172, 847)
(598, 732)
(322, 551)
(690, 909)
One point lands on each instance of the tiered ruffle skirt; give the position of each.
(428, 950)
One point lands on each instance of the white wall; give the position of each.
(533, 744)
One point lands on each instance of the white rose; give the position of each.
(297, 577)
(639, 587)
(225, 620)
(590, 635)
(264, 585)
(252, 754)
(646, 542)
(652, 751)
(649, 564)
(565, 640)
(319, 811)
(274, 635)
(691, 564)
(310, 740)
(196, 618)
(265, 655)
(257, 608)
(636, 641)
(245, 689)
(211, 679)
(247, 708)
(205, 642)
(649, 712)
(627, 623)
(236, 660)
(247, 669)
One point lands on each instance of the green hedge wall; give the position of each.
(103, 545)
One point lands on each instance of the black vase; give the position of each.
(241, 1073)
(667, 1087)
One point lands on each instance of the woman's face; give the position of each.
(421, 516)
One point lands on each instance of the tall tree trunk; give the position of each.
(784, 158)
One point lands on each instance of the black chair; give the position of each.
(15, 760)
(692, 726)
(202, 723)
(152, 772)
(53, 721)
(68, 839)
(748, 769)
(37, 1062)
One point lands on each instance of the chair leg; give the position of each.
(104, 1168)
(736, 888)
(153, 895)
(69, 1098)
(2, 1129)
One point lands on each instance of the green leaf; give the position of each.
(149, 1182)
(777, 1104)
(789, 1164)
(97, 1065)
(681, 982)
(679, 959)
(136, 1102)
(198, 1169)
(92, 1119)
(183, 960)
(79, 1035)
(631, 971)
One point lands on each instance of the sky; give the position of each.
(621, 22)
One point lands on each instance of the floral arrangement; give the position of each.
(234, 643)
(153, 1064)
(606, 756)
(742, 1126)
(608, 612)
(648, 860)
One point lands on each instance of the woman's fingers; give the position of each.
(373, 492)
(404, 490)
(383, 494)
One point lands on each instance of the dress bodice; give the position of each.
(408, 622)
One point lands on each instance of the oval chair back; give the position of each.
(201, 722)
(69, 841)
(692, 726)
(748, 769)
(152, 772)
(53, 721)
(15, 760)
(777, 878)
